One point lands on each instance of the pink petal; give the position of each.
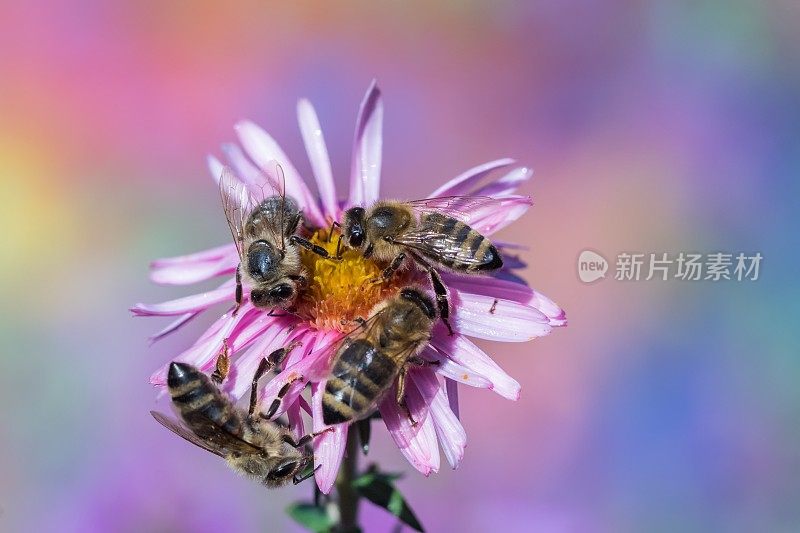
(267, 339)
(244, 169)
(491, 220)
(318, 366)
(510, 245)
(508, 290)
(295, 416)
(187, 275)
(318, 156)
(204, 352)
(214, 167)
(365, 174)
(506, 185)
(187, 304)
(173, 326)
(417, 443)
(465, 352)
(263, 150)
(464, 182)
(244, 366)
(450, 369)
(451, 387)
(396, 418)
(328, 447)
(423, 453)
(211, 255)
(304, 404)
(510, 322)
(449, 430)
(196, 267)
(256, 325)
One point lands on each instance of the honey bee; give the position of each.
(265, 232)
(367, 362)
(251, 444)
(425, 231)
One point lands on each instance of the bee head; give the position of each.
(275, 296)
(282, 471)
(353, 226)
(287, 469)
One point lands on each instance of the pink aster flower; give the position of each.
(497, 308)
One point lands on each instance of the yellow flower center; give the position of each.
(340, 291)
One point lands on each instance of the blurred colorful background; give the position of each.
(651, 126)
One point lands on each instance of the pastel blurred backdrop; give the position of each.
(651, 126)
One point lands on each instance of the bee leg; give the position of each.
(400, 397)
(277, 356)
(263, 366)
(389, 271)
(305, 439)
(311, 247)
(401, 386)
(334, 224)
(239, 291)
(439, 289)
(441, 298)
(368, 251)
(276, 403)
(419, 361)
(300, 478)
(223, 364)
(405, 408)
(267, 363)
(339, 247)
(364, 431)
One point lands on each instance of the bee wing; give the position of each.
(184, 432)
(240, 199)
(364, 329)
(434, 240)
(277, 187)
(463, 208)
(237, 203)
(219, 443)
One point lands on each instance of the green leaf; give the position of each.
(379, 488)
(310, 516)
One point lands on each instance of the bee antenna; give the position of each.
(282, 177)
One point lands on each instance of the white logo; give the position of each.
(591, 266)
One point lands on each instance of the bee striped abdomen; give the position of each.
(199, 401)
(360, 375)
(459, 247)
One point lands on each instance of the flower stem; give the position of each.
(348, 497)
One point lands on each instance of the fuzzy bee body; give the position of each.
(366, 366)
(391, 228)
(263, 230)
(427, 232)
(251, 445)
